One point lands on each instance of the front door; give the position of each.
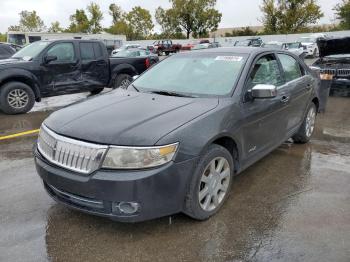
(265, 120)
(61, 76)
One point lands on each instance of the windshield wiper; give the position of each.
(135, 87)
(169, 93)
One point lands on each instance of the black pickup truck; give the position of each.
(51, 68)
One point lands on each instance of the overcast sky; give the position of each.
(235, 12)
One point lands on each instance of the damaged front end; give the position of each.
(334, 63)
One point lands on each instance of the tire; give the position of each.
(201, 208)
(166, 53)
(306, 129)
(122, 81)
(96, 91)
(16, 98)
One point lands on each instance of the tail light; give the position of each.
(147, 63)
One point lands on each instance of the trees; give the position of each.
(116, 12)
(79, 22)
(191, 16)
(343, 14)
(140, 22)
(55, 27)
(29, 21)
(96, 16)
(136, 24)
(289, 16)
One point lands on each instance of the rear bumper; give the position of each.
(158, 192)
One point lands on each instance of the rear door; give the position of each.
(265, 120)
(95, 66)
(299, 85)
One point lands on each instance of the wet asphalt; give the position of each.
(293, 205)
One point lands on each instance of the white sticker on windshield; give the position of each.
(229, 58)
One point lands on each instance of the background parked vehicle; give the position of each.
(252, 42)
(7, 50)
(309, 44)
(192, 44)
(138, 52)
(166, 47)
(182, 134)
(295, 47)
(125, 47)
(51, 68)
(334, 65)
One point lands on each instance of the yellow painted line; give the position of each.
(34, 131)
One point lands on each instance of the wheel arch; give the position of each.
(231, 144)
(26, 79)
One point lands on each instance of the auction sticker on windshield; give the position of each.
(229, 58)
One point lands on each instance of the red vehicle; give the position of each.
(165, 46)
(190, 45)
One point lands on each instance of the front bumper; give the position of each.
(159, 191)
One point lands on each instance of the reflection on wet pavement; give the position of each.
(293, 205)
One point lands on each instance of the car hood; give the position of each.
(337, 46)
(12, 61)
(127, 118)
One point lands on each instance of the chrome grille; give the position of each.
(343, 72)
(328, 71)
(69, 153)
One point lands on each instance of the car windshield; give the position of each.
(292, 45)
(196, 74)
(31, 51)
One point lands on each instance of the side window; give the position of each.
(97, 50)
(291, 67)
(265, 71)
(63, 51)
(87, 51)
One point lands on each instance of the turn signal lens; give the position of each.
(326, 76)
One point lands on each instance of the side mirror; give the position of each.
(135, 77)
(50, 58)
(264, 91)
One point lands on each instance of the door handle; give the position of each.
(284, 99)
(100, 63)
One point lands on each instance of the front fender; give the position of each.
(21, 75)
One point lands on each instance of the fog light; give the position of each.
(125, 208)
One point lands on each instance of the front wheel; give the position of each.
(16, 98)
(210, 184)
(122, 81)
(307, 128)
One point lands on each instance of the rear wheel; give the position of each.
(307, 128)
(96, 91)
(16, 98)
(210, 184)
(122, 81)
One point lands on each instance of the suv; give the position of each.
(173, 140)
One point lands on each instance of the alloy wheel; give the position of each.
(125, 83)
(18, 98)
(310, 121)
(214, 183)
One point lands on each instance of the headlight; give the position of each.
(138, 157)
